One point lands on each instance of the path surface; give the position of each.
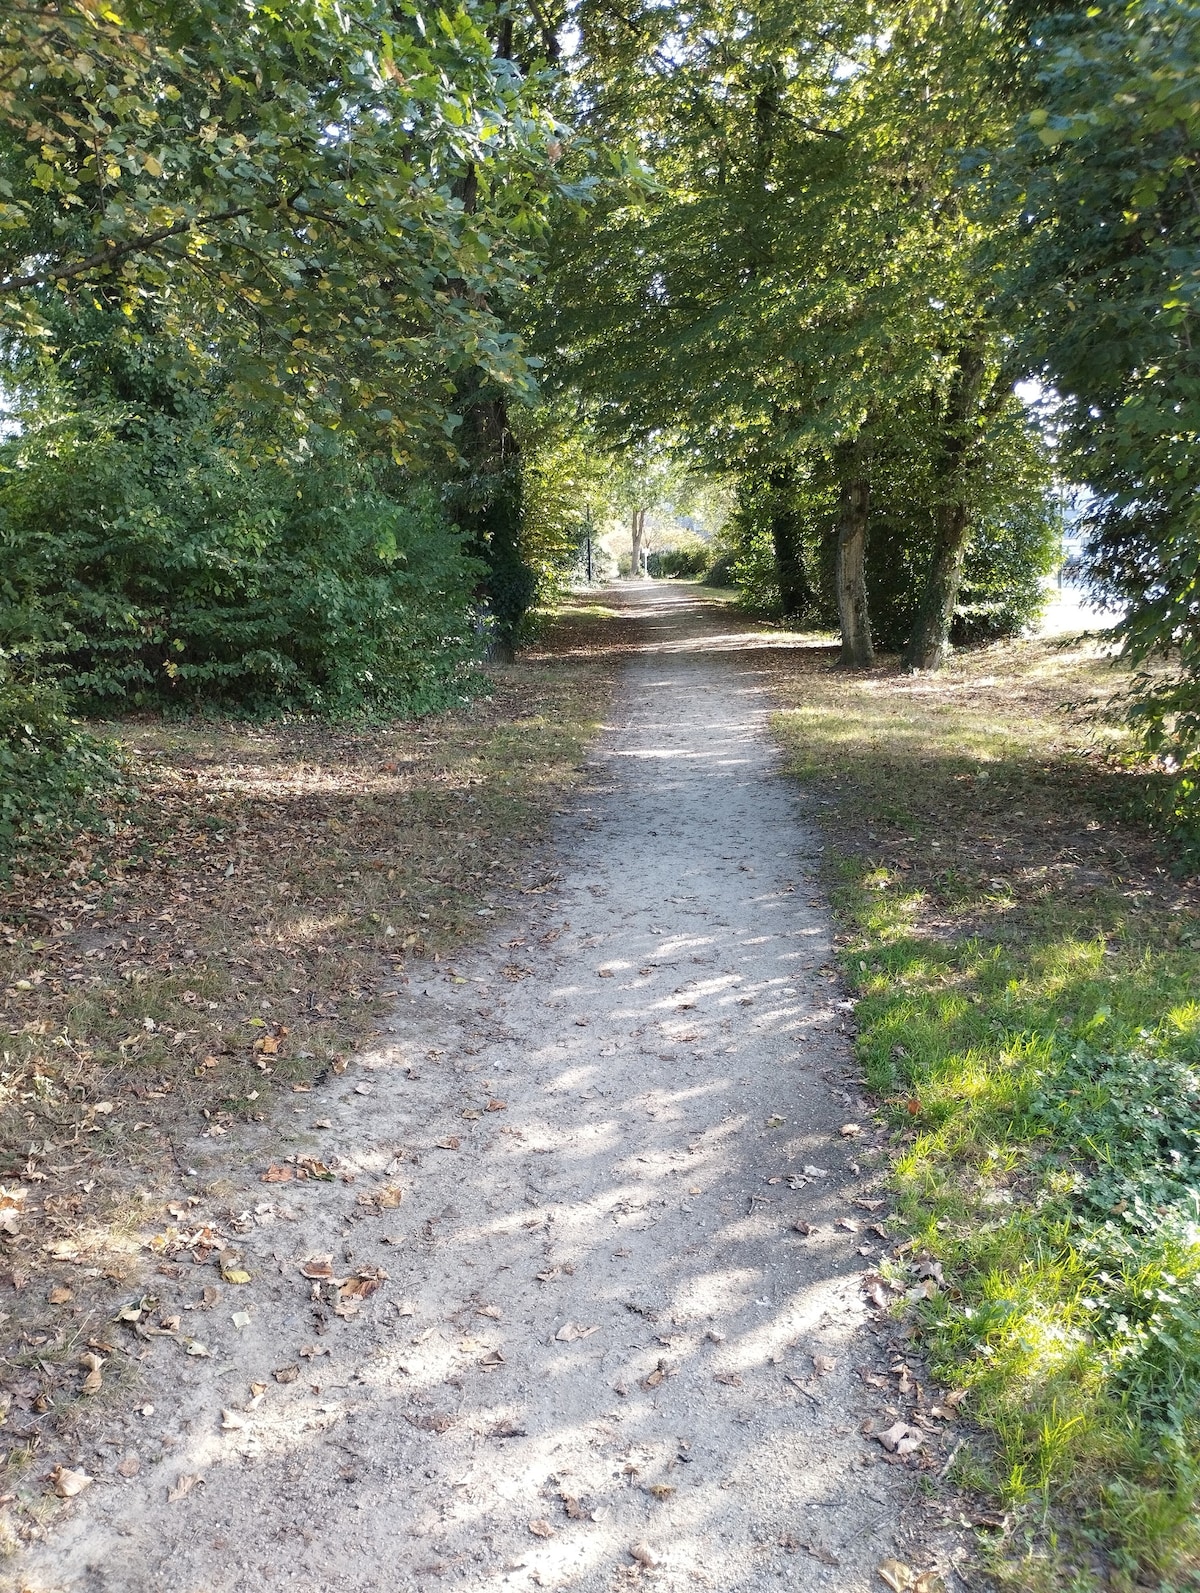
(601, 1330)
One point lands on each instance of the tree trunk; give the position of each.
(639, 530)
(854, 502)
(929, 641)
(795, 592)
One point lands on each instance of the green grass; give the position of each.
(1028, 986)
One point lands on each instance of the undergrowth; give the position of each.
(1028, 977)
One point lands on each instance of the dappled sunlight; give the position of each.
(622, 1280)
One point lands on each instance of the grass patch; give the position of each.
(1027, 968)
(231, 933)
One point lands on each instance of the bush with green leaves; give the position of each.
(687, 561)
(53, 774)
(172, 565)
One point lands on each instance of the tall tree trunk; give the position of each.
(795, 592)
(488, 505)
(852, 463)
(930, 638)
(639, 531)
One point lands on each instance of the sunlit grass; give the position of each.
(1027, 972)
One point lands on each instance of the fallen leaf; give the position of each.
(645, 1555)
(814, 1172)
(67, 1483)
(128, 1466)
(451, 1142)
(277, 1175)
(541, 1529)
(389, 1197)
(730, 1379)
(232, 1421)
(496, 1106)
(849, 1130)
(929, 1582)
(183, 1485)
(850, 1224)
(660, 1490)
(286, 1374)
(234, 1275)
(901, 1439)
(898, 1576)
(362, 1284)
(571, 1331)
(317, 1267)
(433, 1421)
(823, 1364)
(492, 1311)
(492, 1359)
(209, 1295)
(240, 1320)
(806, 1228)
(59, 1296)
(93, 1382)
(194, 1347)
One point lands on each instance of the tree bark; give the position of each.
(639, 531)
(795, 592)
(851, 461)
(929, 641)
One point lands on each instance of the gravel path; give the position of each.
(605, 1352)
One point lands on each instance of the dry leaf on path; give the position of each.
(570, 1331)
(900, 1438)
(286, 1374)
(128, 1466)
(645, 1555)
(67, 1483)
(277, 1175)
(389, 1197)
(541, 1529)
(898, 1576)
(183, 1485)
(451, 1142)
(823, 1364)
(433, 1421)
(59, 1296)
(317, 1267)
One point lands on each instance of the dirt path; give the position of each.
(601, 1329)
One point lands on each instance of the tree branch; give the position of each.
(103, 259)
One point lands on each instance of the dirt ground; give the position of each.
(570, 1281)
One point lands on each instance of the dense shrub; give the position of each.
(52, 773)
(172, 565)
(686, 561)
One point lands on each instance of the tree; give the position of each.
(801, 276)
(276, 189)
(1099, 186)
